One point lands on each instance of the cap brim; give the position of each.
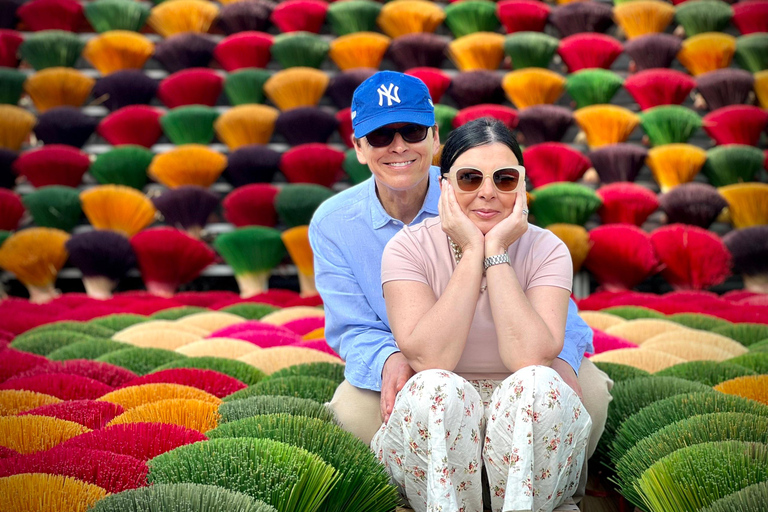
(395, 116)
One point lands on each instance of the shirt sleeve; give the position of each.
(352, 328)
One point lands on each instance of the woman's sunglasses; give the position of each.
(505, 179)
(410, 133)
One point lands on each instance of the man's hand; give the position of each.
(567, 374)
(395, 374)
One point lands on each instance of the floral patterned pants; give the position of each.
(530, 431)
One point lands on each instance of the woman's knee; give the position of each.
(437, 388)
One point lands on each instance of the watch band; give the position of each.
(496, 260)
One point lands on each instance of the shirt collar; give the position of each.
(380, 217)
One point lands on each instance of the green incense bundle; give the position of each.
(703, 16)
(755, 361)
(252, 252)
(744, 333)
(363, 485)
(564, 202)
(444, 115)
(190, 124)
(697, 476)
(180, 498)
(710, 373)
(265, 404)
(700, 321)
(119, 321)
(44, 343)
(237, 369)
(530, 49)
(300, 49)
(124, 165)
(669, 124)
(470, 16)
(760, 346)
(312, 388)
(51, 48)
(54, 206)
(176, 313)
(356, 171)
(87, 349)
(633, 312)
(732, 163)
(593, 86)
(70, 326)
(679, 407)
(11, 85)
(353, 16)
(749, 499)
(287, 477)
(752, 52)
(619, 372)
(140, 360)
(295, 204)
(107, 15)
(330, 371)
(246, 86)
(4, 236)
(727, 426)
(250, 310)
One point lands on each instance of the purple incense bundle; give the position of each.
(185, 50)
(343, 85)
(306, 124)
(254, 163)
(422, 49)
(187, 207)
(65, 125)
(123, 88)
(103, 257)
(544, 123)
(576, 17)
(618, 162)
(476, 87)
(245, 16)
(724, 87)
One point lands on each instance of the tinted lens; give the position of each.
(381, 137)
(506, 180)
(469, 179)
(384, 136)
(413, 132)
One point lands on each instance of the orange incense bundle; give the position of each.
(582, 51)
(55, 87)
(643, 17)
(53, 164)
(656, 87)
(16, 124)
(626, 203)
(190, 164)
(35, 256)
(134, 124)
(116, 50)
(246, 124)
(403, 17)
(606, 124)
(693, 258)
(736, 124)
(312, 163)
(707, 52)
(576, 239)
(359, 50)
(118, 208)
(533, 86)
(296, 241)
(553, 161)
(621, 256)
(675, 164)
(251, 205)
(170, 18)
(169, 258)
(478, 51)
(747, 204)
(296, 87)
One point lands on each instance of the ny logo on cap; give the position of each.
(390, 95)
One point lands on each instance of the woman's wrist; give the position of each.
(494, 249)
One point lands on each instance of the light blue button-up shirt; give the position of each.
(348, 234)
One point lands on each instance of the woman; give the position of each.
(477, 300)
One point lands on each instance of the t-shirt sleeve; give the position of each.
(403, 260)
(552, 265)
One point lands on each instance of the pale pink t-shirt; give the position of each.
(422, 253)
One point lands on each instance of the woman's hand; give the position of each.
(455, 222)
(509, 230)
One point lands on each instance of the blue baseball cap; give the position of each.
(390, 97)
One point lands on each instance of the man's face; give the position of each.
(400, 165)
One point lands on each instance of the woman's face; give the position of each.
(486, 206)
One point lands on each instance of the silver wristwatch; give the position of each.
(496, 260)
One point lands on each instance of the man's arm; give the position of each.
(578, 338)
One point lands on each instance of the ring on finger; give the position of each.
(525, 212)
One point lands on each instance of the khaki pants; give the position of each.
(358, 410)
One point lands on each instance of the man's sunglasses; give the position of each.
(505, 179)
(384, 136)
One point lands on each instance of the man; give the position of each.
(396, 136)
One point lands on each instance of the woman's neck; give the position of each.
(403, 205)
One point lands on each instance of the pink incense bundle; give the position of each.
(14, 362)
(251, 325)
(604, 342)
(436, 81)
(88, 413)
(522, 15)
(169, 258)
(60, 385)
(106, 373)
(276, 297)
(626, 203)
(267, 338)
(300, 15)
(52, 15)
(655, 87)
(244, 50)
(312, 163)
(543, 123)
(693, 258)
(506, 115)
(54, 164)
(302, 326)
(736, 124)
(313, 301)
(110, 471)
(11, 210)
(320, 345)
(621, 256)
(142, 441)
(553, 161)
(344, 117)
(204, 299)
(134, 124)
(10, 40)
(751, 17)
(7, 452)
(194, 86)
(215, 383)
(251, 205)
(582, 51)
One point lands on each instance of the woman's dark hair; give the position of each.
(479, 132)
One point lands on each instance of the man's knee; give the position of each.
(596, 389)
(357, 410)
